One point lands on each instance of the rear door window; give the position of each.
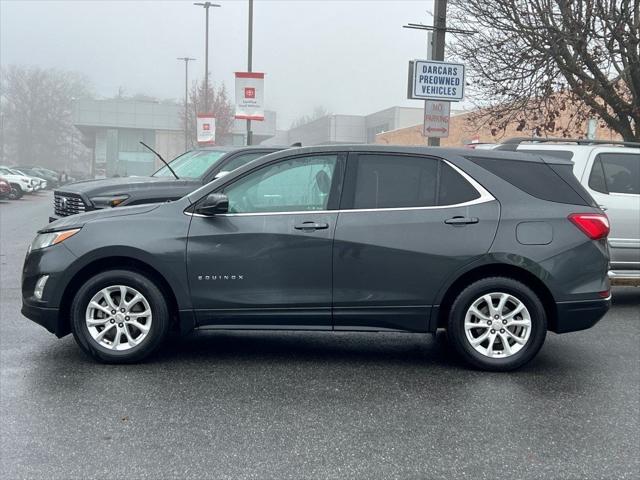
(616, 173)
(405, 181)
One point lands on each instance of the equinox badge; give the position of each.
(220, 277)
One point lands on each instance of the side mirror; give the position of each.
(212, 204)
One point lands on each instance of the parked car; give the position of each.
(51, 176)
(20, 184)
(52, 180)
(193, 169)
(610, 172)
(496, 247)
(5, 189)
(41, 182)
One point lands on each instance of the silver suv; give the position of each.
(611, 174)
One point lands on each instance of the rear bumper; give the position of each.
(624, 277)
(580, 315)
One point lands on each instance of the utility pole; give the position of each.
(436, 38)
(206, 6)
(186, 98)
(437, 46)
(250, 64)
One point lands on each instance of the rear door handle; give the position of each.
(461, 220)
(311, 226)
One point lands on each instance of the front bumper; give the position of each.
(49, 318)
(579, 315)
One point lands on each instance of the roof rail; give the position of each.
(511, 144)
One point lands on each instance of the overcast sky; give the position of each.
(349, 56)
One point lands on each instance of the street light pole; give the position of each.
(186, 98)
(250, 64)
(206, 6)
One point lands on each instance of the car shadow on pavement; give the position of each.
(623, 296)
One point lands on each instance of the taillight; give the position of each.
(593, 225)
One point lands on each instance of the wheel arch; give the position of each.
(112, 263)
(496, 270)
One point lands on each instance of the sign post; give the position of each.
(436, 118)
(438, 84)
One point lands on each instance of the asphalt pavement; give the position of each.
(310, 405)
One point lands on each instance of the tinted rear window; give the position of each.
(536, 179)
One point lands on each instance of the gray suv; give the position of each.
(495, 247)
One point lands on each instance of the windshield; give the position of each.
(192, 164)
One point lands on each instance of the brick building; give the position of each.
(462, 132)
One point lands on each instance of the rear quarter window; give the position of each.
(547, 182)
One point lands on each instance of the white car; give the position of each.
(42, 183)
(20, 184)
(610, 172)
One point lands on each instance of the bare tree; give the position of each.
(36, 108)
(551, 64)
(220, 105)
(319, 111)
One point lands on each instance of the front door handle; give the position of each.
(311, 226)
(461, 220)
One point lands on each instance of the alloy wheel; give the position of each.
(497, 325)
(118, 317)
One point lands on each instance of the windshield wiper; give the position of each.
(160, 157)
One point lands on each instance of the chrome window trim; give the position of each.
(484, 197)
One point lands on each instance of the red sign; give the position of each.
(249, 92)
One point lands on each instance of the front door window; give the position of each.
(299, 184)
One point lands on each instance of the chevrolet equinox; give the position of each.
(495, 247)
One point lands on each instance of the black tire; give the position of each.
(160, 316)
(16, 192)
(456, 331)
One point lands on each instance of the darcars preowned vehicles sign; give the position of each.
(433, 80)
(250, 96)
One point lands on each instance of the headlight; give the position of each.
(44, 240)
(108, 201)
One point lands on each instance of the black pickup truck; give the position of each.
(193, 169)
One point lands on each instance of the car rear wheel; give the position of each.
(119, 316)
(16, 192)
(497, 324)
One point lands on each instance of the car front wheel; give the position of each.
(119, 316)
(16, 192)
(497, 324)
